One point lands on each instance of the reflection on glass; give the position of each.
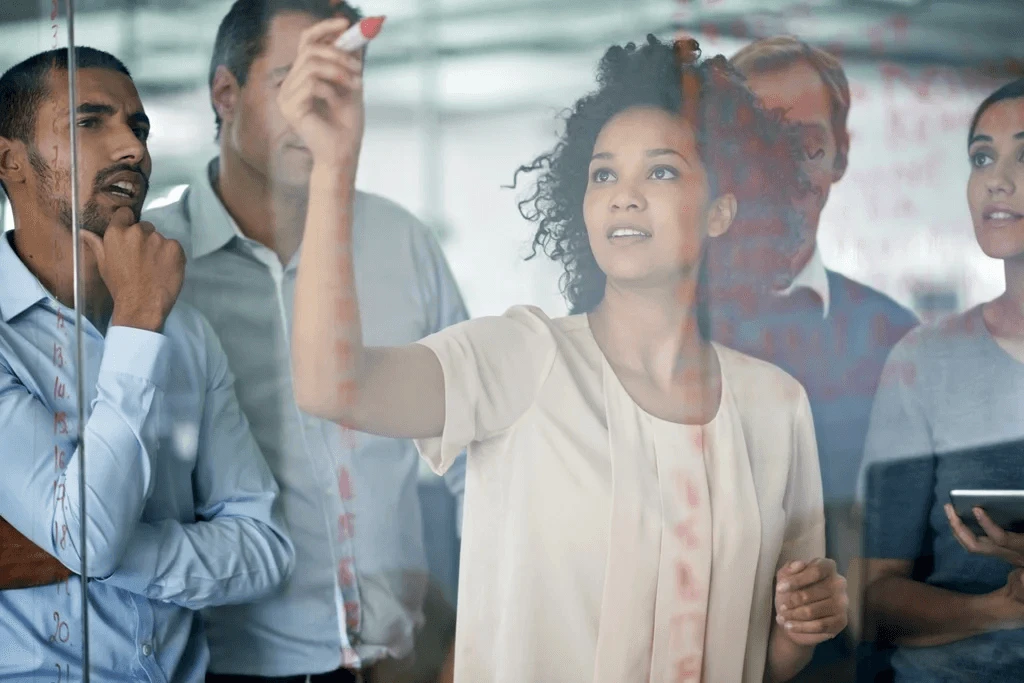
(227, 531)
(363, 596)
(946, 583)
(40, 561)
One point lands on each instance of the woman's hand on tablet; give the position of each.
(997, 542)
(811, 601)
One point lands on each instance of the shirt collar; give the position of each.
(213, 227)
(216, 226)
(814, 277)
(21, 290)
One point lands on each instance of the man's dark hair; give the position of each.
(24, 86)
(1011, 91)
(242, 33)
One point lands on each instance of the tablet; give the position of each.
(1004, 506)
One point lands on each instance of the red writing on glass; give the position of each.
(685, 533)
(344, 484)
(688, 669)
(61, 633)
(346, 526)
(352, 615)
(687, 582)
(61, 533)
(345, 575)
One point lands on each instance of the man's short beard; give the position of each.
(56, 186)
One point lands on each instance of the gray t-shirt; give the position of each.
(949, 414)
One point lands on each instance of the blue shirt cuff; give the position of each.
(135, 352)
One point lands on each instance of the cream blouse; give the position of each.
(600, 543)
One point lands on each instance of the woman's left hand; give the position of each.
(996, 542)
(811, 601)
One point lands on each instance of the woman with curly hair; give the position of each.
(641, 503)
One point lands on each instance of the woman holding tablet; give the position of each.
(637, 498)
(950, 415)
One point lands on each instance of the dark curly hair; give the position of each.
(746, 151)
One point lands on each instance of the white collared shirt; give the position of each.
(814, 277)
(349, 499)
(582, 516)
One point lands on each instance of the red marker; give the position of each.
(360, 35)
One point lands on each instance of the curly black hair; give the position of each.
(746, 150)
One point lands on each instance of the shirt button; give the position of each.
(147, 649)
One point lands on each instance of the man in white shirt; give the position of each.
(845, 329)
(830, 332)
(355, 602)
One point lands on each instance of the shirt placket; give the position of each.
(146, 645)
(341, 529)
(145, 642)
(66, 627)
(348, 587)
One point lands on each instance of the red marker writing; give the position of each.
(359, 35)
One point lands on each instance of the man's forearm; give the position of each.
(45, 503)
(23, 564)
(907, 612)
(228, 560)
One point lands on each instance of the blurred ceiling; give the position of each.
(167, 42)
(445, 59)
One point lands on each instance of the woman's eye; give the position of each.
(664, 173)
(86, 123)
(980, 159)
(815, 155)
(602, 175)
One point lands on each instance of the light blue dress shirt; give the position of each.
(350, 500)
(180, 502)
